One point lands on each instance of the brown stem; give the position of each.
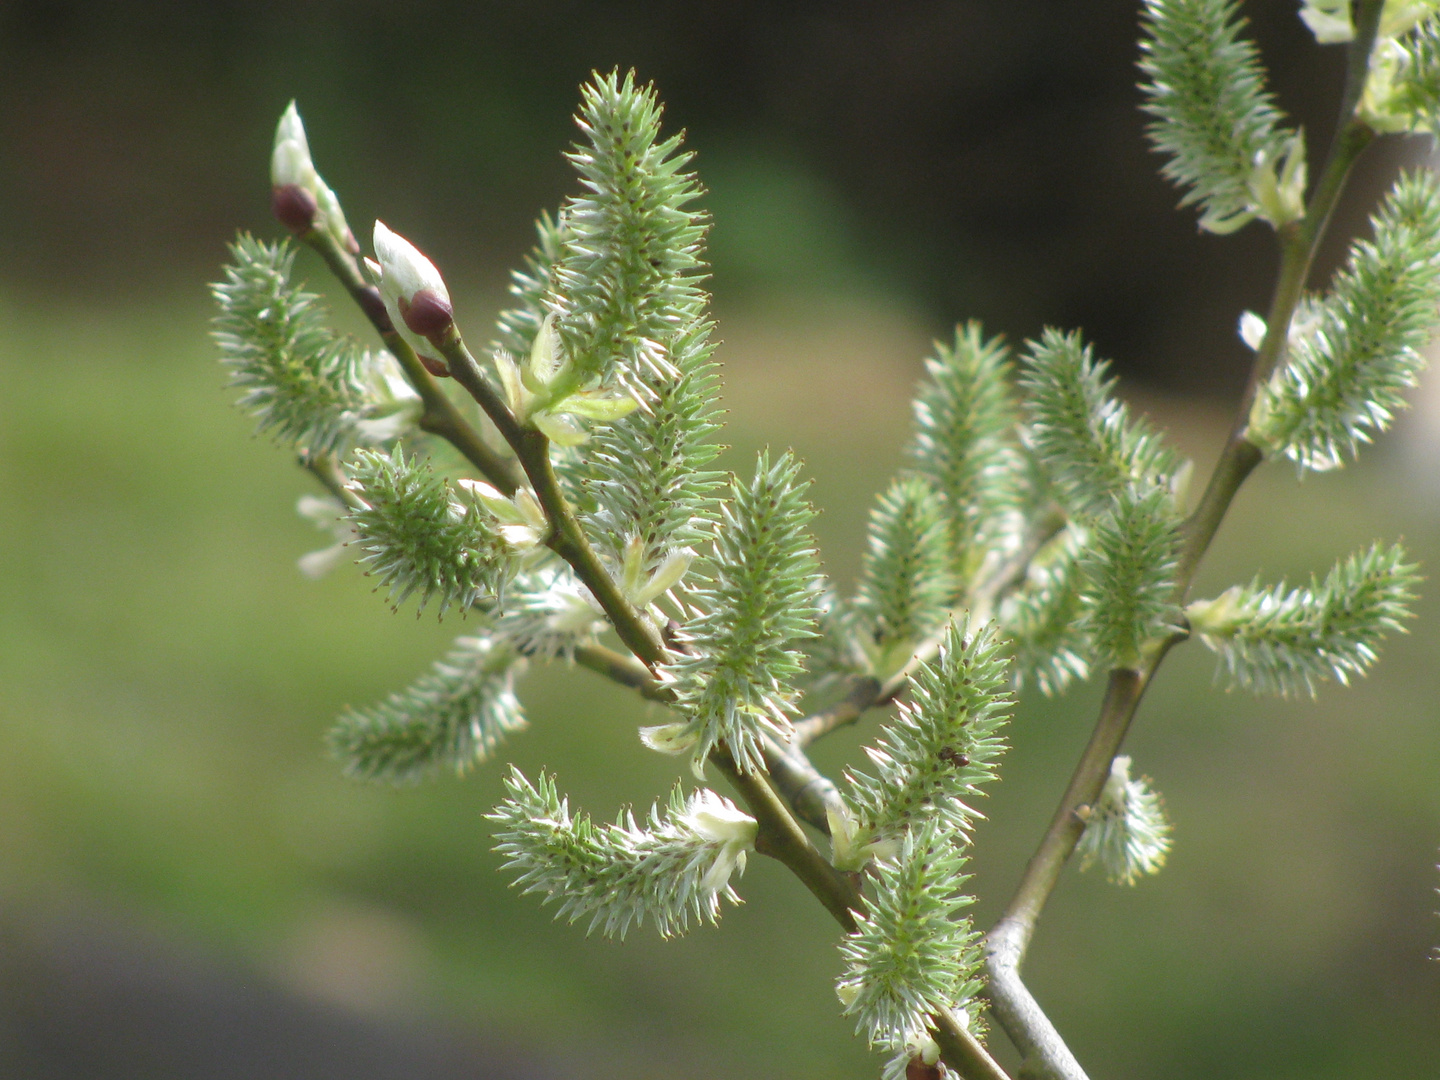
(781, 837)
(1032, 1032)
(622, 669)
(864, 692)
(440, 416)
(566, 539)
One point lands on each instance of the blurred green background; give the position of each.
(166, 676)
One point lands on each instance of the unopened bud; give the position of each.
(414, 294)
(292, 167)
(404, 270)
(290, 161)
(293, 207)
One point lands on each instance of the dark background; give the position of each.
(189, 889)
(978, 159)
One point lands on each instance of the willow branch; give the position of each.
(440, 416)
(781, 838)
(622, 669)
(866, 692)
(566, 538)
(963, 1052)
(327, 470)
(1032, 1032)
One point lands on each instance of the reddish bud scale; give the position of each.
(293, 207)
(916, 1069)
(438, 368)
(427, 314)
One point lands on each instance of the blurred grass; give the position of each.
(166, 678)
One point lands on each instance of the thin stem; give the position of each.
(808, 791)
(566, 539)
(781, 837)
(1045, 1052)
(622, 669)
(1121, 696)
(327, 470)
(440, 416)
(466, 371)
(963, 1052)
(864, 692)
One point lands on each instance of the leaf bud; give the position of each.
(414, 294)
(293, 207)
(290, 162)
(293, 178)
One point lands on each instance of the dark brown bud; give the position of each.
(427, 314)
(916, 1069)
(438, 368)
(293, 207)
